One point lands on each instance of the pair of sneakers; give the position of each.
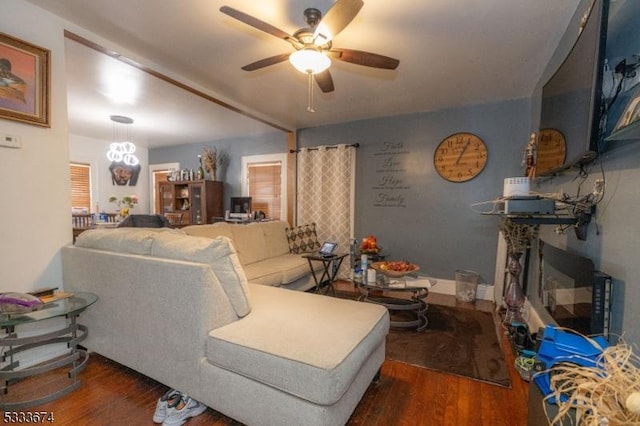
(174, 408)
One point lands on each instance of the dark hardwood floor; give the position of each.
(405, 395)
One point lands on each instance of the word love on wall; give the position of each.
(391, 182)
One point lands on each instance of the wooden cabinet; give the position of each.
(191, 202)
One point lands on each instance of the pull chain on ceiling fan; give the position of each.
(313, 45)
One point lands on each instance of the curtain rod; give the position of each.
(353, 145)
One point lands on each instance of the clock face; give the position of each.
(552, 150)
(460, 157)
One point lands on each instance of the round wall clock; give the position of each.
(460, 157)
(552, 150)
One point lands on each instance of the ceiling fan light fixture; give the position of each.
(309, 61)
(322, 35)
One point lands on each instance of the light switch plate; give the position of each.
(10, 141)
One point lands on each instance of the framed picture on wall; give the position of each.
(24, 81)
(631, 112)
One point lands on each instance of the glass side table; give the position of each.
(417, 290)
(71, 333)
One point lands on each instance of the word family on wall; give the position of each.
(390, 183)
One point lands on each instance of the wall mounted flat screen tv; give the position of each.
(572, 98)
(571, 291)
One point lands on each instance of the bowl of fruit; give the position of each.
(396, 268)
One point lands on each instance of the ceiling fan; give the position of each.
(313, 45)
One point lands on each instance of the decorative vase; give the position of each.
(200, 171)
(514, 296)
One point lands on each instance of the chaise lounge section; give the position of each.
(179, 309)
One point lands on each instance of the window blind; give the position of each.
(81, 186)
(265, 188)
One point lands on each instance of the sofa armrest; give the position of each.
(156, 323)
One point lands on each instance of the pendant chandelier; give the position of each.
(122, 150)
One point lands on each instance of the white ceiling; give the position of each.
(452, 53)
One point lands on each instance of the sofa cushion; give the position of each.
(280, 270)
(294, 267)
(263, 272)
(303, 239)
(219, 229)
(120, 240)
(275, 234)
(333, 339)
(217, 252)
(250, 242)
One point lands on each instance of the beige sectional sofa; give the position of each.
(263, 251)
(179, 309)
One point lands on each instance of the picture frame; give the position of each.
(631, 113)
(24, 81)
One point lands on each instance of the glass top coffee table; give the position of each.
(403, 297)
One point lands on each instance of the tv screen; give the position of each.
(566, 284)
(572, 98)
(570, 292)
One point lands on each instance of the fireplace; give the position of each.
(569, 292)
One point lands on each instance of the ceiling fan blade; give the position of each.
(335, 20)
(367, 59)
(324, 80)
(266, 62)
(255, 22)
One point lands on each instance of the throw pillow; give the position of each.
(303, 239)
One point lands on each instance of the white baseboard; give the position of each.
(448, 287)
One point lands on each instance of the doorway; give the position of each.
(158, 173)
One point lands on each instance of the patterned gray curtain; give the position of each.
(325, 194)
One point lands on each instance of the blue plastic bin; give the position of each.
(562, 345)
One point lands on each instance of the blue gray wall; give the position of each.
(422, 217)
(235, 149)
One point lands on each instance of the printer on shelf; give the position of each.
(529, 205)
